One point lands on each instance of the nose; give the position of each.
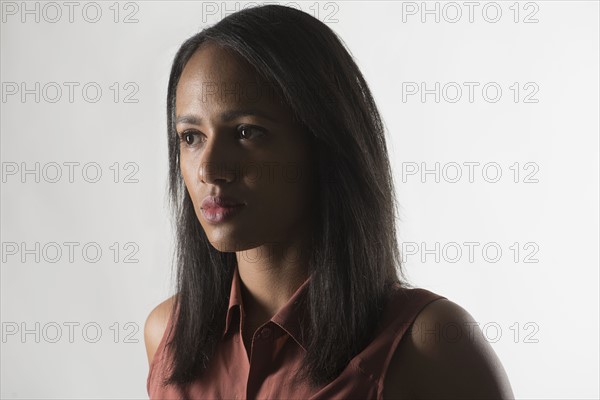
(218, 164)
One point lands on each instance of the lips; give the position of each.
(217, 209)
(210, 202)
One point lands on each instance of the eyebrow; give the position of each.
(226, 116)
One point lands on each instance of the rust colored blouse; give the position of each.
(277, 350)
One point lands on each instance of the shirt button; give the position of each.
(266, 333)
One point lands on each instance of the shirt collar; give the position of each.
(292, 317)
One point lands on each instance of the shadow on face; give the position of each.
(240, 141)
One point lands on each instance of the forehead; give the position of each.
(217, 77)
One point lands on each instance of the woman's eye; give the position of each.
(247, 132)
(188, 138)
(250, 132)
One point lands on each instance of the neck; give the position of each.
(270, 275)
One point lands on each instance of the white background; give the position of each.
(554, 220)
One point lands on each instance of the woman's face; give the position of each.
(238, 141)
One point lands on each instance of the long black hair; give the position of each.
(355, 258)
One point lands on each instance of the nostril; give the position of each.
(218, 172)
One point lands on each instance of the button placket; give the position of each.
(260, 358)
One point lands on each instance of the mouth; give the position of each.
(220, 201)
(220, 214)
(217, 209)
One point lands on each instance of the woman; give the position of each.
(287, 282)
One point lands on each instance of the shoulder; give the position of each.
(155, 326)
(445, 355)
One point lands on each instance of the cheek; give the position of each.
(185, 162)
(188, 173)
(286, 193)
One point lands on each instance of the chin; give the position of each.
(229, 243)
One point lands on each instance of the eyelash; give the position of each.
(194, 132)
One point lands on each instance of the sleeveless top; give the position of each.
(277, 350)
